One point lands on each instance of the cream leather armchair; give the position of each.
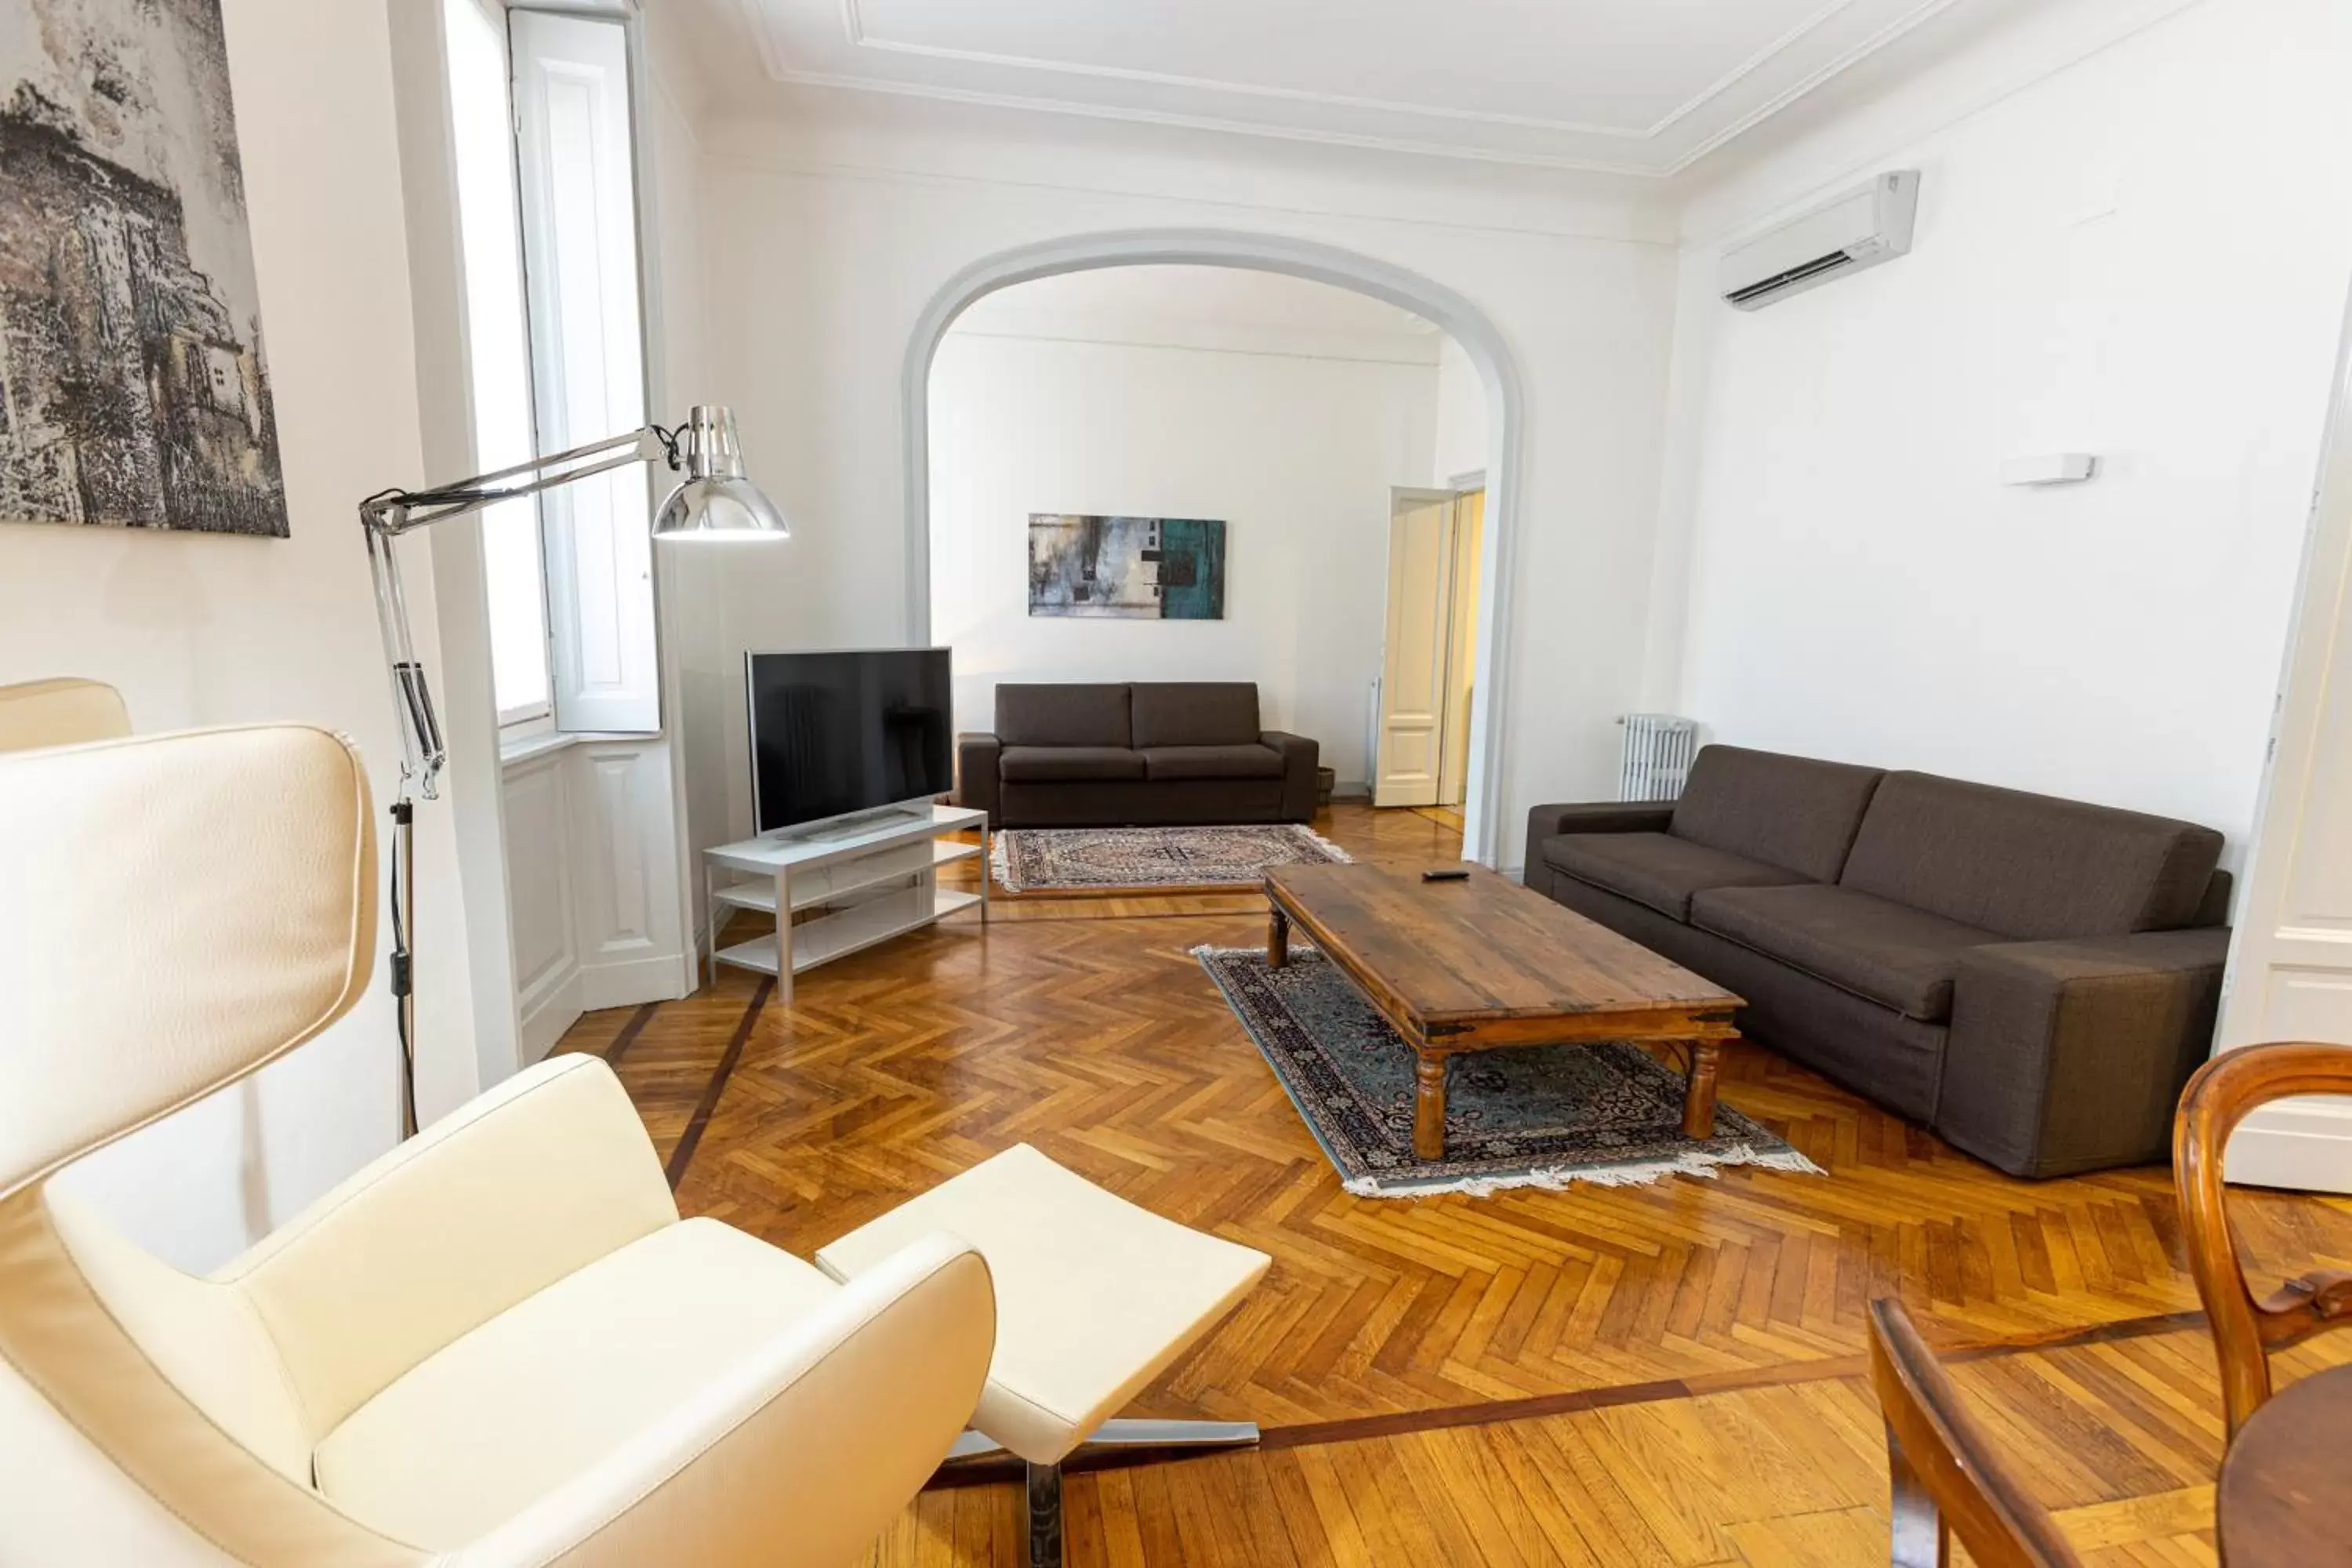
(498, 1344)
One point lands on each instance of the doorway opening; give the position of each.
(1419, 744)
(974, 398)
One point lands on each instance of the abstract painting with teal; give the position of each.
(1127, 568)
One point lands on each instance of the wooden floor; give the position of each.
(1656, 1375)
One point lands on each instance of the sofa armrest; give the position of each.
(803, 1452)
(2070, 1056)
(976, 777)
(1593, 816)
(525, 1185)
(1298, 754)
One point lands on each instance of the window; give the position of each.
(541, 117)
(499, 346)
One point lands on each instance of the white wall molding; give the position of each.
(946, 144)
(1317, 263)
(595, 901)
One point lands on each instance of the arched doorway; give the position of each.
(1450, 311)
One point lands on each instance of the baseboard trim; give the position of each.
(629, 981)
(545, 1020)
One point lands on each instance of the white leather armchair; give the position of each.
(498, 1344)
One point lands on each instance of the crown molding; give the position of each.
(1209, 123)
(854, 26)
(780, 67)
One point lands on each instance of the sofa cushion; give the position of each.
(1793, 812)
(1067, 765)
(2028, 865)
(1195, 714)
(1062, 715)
(1656, 868)
(1250, 762)
(1889, 953)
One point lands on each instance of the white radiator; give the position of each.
(1658, 751)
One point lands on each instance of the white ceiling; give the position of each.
(1630, 86)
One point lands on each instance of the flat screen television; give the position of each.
(836, 734)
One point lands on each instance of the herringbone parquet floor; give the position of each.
(1662, 1374)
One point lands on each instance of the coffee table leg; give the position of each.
(1429, 1107)
(1277, 937)
(1699, 1099)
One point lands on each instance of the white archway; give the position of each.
(1433, 302)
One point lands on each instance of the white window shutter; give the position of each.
(575, 152)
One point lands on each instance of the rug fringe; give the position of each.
(1333, 850)
(999, 861)
(1561, 1178)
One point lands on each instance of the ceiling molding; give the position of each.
(853, 29)
(767, 31)
(1820, 77)
(1209, 123)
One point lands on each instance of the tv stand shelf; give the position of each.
(874, 878)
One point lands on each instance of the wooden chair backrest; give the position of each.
(1946, 1476)
(2245, 1331)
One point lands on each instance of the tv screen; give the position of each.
(839, 733)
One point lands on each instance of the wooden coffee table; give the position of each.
(1482, 964)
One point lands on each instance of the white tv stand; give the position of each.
(875, 879)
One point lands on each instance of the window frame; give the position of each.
(587, 626)
(521, 720)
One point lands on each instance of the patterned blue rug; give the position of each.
(1540, 1116)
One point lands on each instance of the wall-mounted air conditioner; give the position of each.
(1861, 229)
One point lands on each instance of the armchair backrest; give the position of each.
(69, 713)
(179, 910)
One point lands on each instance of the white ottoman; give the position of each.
(1095, 1297)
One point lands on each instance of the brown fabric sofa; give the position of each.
(1145, 754)
(2033, 978)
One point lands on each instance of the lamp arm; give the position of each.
(387, 516)
(384, 517)
(705, 447)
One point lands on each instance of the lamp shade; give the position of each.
(715, 501)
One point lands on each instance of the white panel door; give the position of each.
(2291, 966)
(575, 151)
(1413, 689)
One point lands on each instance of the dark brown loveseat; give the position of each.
(2033, 978)
(1146, 754)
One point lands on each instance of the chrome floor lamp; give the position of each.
(713, 502)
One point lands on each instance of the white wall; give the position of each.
(1462, 430)
(207, 630)
(1295, 450)
(827, 246)
(2144, 255)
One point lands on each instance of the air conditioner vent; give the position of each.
(1859, 229)
(1798, 274)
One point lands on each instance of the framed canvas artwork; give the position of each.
(1127, 568)
(129, 319)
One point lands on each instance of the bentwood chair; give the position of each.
(497, 1345)
(1948, 1479)
(2246, 1331)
